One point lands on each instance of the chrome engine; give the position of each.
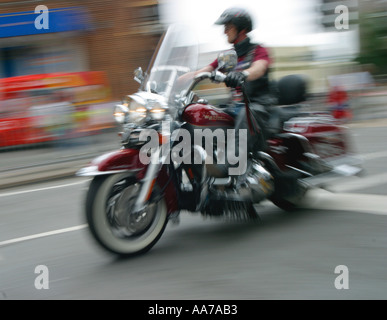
(234, 198)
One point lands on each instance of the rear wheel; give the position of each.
(284, 204)
(289, 192)
(109, 204)
(291, 203)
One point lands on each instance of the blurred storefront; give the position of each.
(90, 35)
(57, 47)
(73, 58)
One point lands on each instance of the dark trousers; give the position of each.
(256, 127)
(245, 144)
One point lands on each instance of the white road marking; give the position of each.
(374, 155)
(366, 203)
(41, 189)
(41, 235)
(357, 183)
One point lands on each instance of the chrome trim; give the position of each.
(221, 181)
(146, 183)
(299, 170)
(347, 166)
(93, 171)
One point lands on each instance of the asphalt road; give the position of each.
(287, 256)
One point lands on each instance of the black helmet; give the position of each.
(238, 17)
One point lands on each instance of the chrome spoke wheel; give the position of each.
(113, 222)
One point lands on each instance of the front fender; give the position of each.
(129, 160)
(113, 162)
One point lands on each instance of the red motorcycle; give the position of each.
(174, 140)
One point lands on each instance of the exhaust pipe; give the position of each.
(258, 184)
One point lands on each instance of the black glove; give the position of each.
(235, 79)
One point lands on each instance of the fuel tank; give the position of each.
(205, 115)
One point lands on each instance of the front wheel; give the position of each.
(109, 204)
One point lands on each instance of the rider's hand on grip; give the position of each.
(218, 77)
(235, 79)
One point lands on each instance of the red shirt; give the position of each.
(260, 53)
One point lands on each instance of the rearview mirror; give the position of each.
(227, 60)
(139, 75)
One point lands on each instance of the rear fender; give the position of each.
(325, 136)
(288, 148)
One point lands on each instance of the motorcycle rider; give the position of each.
(253, 59)
(252, 71)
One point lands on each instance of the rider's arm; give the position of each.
(208, 68)
(190, 75)
(257, 69)
(261, 62)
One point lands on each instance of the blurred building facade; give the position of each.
(114, 37)
(301, 60)
(373, 37)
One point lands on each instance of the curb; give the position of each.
(42, 173)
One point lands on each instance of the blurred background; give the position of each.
(58, 87)
(61, 82)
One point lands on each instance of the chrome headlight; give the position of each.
(140, 108)
(121, 111)
(137, 112)
(156, 110)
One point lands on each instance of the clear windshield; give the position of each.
(177, 55)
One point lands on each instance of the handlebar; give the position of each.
(214, 76)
